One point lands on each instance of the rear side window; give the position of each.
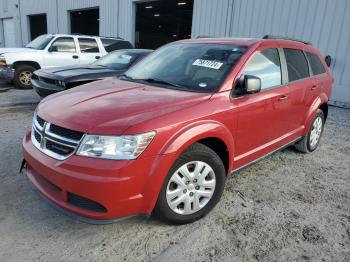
(296, 64)
(266, 65)
(88, 45)
(115, 44)
(315, 63)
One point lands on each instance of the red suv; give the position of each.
(164, 136)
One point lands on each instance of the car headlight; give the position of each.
(115, 147)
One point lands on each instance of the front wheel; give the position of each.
(23, 76)
(192, 187)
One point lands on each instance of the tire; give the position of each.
(307, 144)
(23, 76)
(213, 178)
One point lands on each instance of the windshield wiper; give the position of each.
(159, 81)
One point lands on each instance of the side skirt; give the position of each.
(232, 173)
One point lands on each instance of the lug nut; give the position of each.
(187, 182)
(197, 187)
(191, 194)
(185, 191)
(194, 180)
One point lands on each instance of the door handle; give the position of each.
(313, 87)
(75, 57)
(97, 57)
(282, 97)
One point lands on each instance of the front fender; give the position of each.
(173, 148)
(321, 99)
(12, 58)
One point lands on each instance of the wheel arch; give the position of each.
(319, 103)
(212, 134)
(35, 64)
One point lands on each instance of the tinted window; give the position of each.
(266, 65)
(296, 64)
(114, 44)
(194, 67)
(315, 63)
(88, 45)
(63, 44)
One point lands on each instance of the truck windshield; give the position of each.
(193, 67)
(40, 42)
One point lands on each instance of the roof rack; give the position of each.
(285, 38)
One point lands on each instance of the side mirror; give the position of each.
(328, 60)
(252, 84)
(52, 49)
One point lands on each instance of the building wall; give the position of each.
(325, 23)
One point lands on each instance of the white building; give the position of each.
(325, 23)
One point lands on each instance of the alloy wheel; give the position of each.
(316, 131)
(25, 77)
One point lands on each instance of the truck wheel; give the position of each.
(23, 76)
(311, 141)
(192, 187)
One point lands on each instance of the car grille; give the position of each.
(53, 140)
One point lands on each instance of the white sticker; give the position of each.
(202, 84)
(208, 63)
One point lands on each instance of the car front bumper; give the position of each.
(44, 89)
(7, 73)
(117, 188)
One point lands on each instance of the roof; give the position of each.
(246, 41)
(82, 35)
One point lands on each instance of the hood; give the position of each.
(16, 50)
(79, 72)
(111, 106)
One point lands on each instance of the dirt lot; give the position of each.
(288, 207)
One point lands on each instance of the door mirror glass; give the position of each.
(252, 84)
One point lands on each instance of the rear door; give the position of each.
(89, 50)
(62, 52)
(299, 83)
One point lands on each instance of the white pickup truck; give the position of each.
(52, 50)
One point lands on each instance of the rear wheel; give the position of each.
(193, 186)
(23, 76)
(310, 142)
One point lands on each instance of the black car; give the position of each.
(49, 81)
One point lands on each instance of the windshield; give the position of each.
(118, 59)
(192, 67)
(40, 42)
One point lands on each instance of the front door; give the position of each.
(260, 117)
(62, 52)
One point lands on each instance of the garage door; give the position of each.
(9, 32)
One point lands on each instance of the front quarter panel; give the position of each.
(35, 56)
(174, 147)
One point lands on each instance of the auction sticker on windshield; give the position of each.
(207, 63)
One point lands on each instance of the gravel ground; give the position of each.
(288, 207)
